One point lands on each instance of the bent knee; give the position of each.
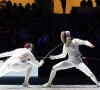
(90, 75)
(54, 68)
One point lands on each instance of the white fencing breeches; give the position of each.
(67, 65)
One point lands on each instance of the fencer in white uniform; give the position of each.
(71, 47)
(20, 59)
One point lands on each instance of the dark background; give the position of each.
(38, 24)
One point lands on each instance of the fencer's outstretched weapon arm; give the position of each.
(52, 51)
(34, 61)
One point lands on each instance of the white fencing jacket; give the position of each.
(72, 50)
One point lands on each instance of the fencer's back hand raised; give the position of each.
(92, 46)
(51, 57)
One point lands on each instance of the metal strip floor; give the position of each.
(53, 87)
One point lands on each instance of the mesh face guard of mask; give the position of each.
(65, 37)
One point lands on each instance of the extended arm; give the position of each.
(62, 55)
(84, 42)
(34, 61)
(6, 54)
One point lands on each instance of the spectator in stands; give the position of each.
(89, 3)
(97, 3)
(83, 3)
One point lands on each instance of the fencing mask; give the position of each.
(28, 46)
(66, 37)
